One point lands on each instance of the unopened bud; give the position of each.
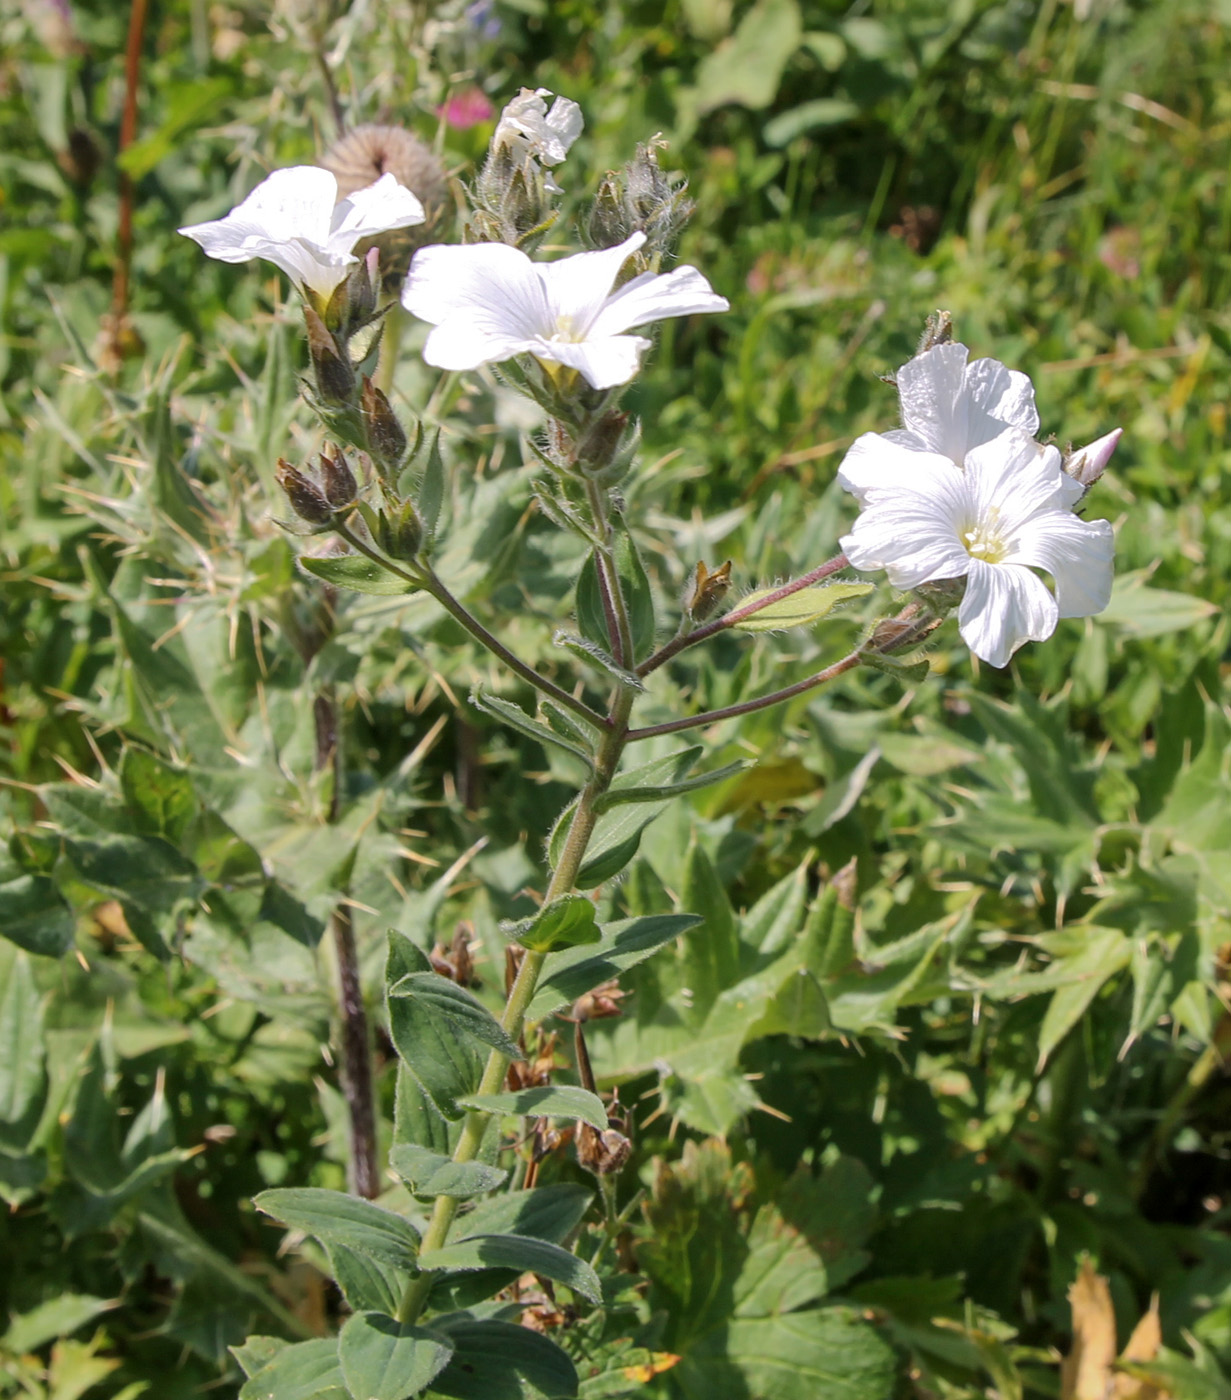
(385, 436)
(401, 534)
(1089, 463)
(306, 498)
(607, 226)
(937, 331)
(335, 377)
(601, 444)
(707, 590)
(338, 480)
(354, 299)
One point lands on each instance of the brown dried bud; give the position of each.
(338, 480)
(386, 438)
(306, 498)
(937, 331)
(708, 590)
(335, 376)
(601, 1153)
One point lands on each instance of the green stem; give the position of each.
(683, 639)
(762, 702)
(619, 627)
(581, 828)
(423, 576)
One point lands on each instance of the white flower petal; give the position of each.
(998, 398)
(1013, 478)
(879, 463)
(657, 296)
(1077, 553)
(931, 390)
(461, 343)
(386, 204)
(1088, 463)
(604, 362)
(489, 285)
(1004, 606)
(577, 286)
(293, 203)
(914, 536)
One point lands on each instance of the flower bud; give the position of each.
(306, 498)
(401, 535)
(601, 444)
(1089, 463)
(707, 591)
(338, 481)
(385, 436)
(335, 376)
(353, 302)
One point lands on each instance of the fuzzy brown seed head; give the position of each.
(305, 496)
(337, 480)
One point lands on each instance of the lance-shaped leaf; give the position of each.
(617, 834)
(516, 718)
(563, 923)
(366, 1283)
(383, 1359)
(620, 793)
(635, 586)
(518, 1252)
(495, 1360)
(623, 945)
(545, 1213)
(440, 1031)
(431, 492)
(586, 650)
(908, 672)
(432, 1174)
(545, 1101)
(358, 573)
(800, 609)
(335, 1217)
(304, 1371)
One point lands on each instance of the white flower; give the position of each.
(295, 220)
(1009, 510)
(527, 125)
(489, 302)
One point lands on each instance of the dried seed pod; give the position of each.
(360, 157)
(305, 496)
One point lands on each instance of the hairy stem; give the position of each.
(581, 828)
(762, 702)
(618, 626)
(700, 634)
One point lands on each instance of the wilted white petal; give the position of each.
(565, 122)
(1078, 554)
(545, 135)
(604, 363)
(1004, 606)
(385, 204)
(656, 296)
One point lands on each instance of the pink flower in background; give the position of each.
(466, 108)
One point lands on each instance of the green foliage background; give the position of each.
(878, 1185)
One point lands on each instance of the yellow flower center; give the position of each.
(984, 540)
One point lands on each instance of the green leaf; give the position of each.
(60, 1317)
(1104, 954)
(1140, 611)
(304, 1371)
(21, 1039)
(516, 718)
(257, 1351)
(189, 105)
(494, 1360)
(546, 1101)
(620, 793)
(638, 598)
(160, 799)
(1175, 1374)
(358, 573)
(623, 945)
(519, 1252)
(711, 947)
(563, 923)
(908, 672)
(366, 1283)
(429, 1173)
(431, 492)
(747, 67)
(34, 916)
(800, 609)
(383, 1359)
(617, 834)
(595, 655)
(440, 999)
(334, 1217)
(546, 1213)
(820, 112)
